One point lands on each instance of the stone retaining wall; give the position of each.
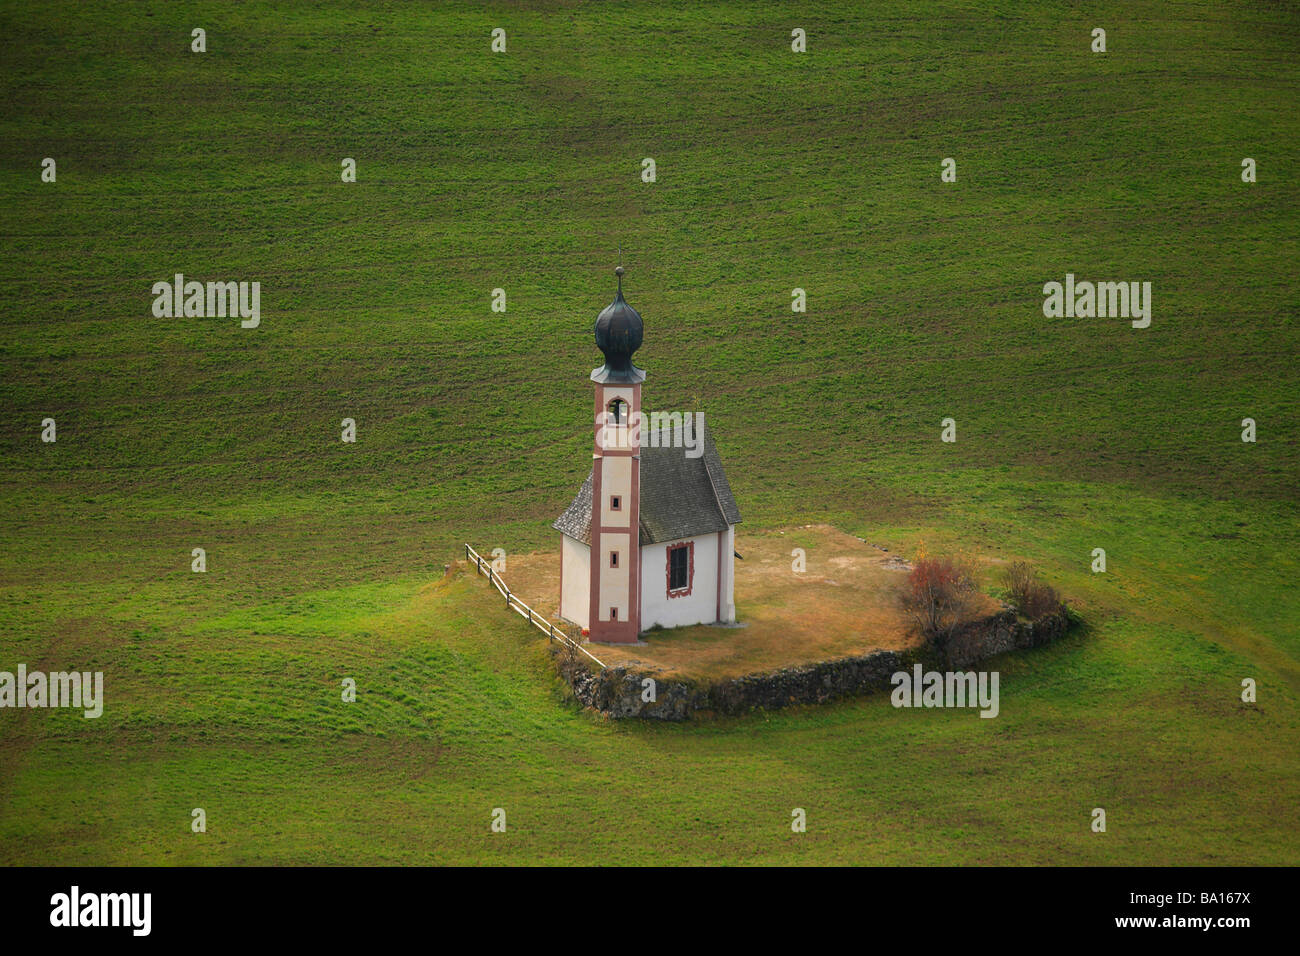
(617, 691)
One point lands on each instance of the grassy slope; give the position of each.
(521, 171)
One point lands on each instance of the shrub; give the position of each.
(1031, 597)
(939, 596)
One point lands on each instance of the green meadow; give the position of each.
(522, 171)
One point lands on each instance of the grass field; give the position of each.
(521, 171)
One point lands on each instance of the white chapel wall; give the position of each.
(728, 615)
(700, 606)
(575, 568)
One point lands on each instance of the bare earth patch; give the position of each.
(846, 602)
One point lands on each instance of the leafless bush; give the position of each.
(1031, 597)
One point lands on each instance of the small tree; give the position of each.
(939, 596)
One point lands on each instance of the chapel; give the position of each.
(649, 539)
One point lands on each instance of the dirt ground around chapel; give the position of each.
(846, 602)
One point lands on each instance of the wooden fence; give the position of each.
(523, 610)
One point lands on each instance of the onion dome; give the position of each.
(618, 335)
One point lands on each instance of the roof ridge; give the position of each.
(707, 439)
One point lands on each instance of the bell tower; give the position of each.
(615, 613)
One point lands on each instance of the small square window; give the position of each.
(613, 559)
(615, 503)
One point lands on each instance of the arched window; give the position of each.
(617, 412)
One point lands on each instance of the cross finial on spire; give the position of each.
(620, 270)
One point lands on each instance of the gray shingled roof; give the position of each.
(576, 520)
(680, 497)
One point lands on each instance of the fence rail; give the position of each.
(523, 610)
